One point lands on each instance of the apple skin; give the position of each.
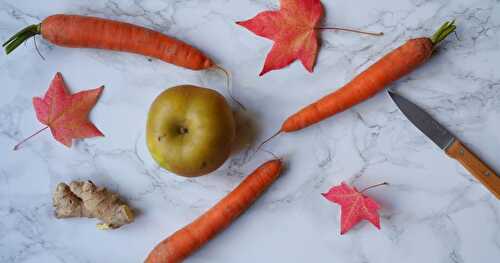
(190, 130)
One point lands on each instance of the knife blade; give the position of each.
(424, 121)
(448, 143)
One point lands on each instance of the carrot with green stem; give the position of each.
(375, 78)
(92, 32)
(188, 239)
(77, 31)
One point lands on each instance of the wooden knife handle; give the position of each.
(475, 166)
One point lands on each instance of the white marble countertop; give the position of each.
(433, 211)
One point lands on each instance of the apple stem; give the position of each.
(373, 186)
(31, 136)
(352, 30)
(183, 130)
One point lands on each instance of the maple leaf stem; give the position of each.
(31, 136)
(373, 186)
(351, 30)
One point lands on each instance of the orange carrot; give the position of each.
(389, 68)
(191, 237)
(93, 32)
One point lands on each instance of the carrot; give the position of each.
(92, 32)
(389, 68)
(185, 241)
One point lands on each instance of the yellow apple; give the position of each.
(190, 130)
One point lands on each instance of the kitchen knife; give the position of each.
(446, 141)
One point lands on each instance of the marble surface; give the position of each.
(433, 210)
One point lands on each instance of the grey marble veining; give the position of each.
(433, 210)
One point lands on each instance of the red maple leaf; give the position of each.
(293, 30)
(354, 206)
(66, 114)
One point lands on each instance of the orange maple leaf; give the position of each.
(66, 114)
(293, 28)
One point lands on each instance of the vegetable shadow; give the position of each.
(246, 130)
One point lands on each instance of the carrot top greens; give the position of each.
(20, 37)
(447, 28)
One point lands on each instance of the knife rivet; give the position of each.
(487, 173)
(461, 151)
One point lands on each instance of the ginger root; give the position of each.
(84, 199)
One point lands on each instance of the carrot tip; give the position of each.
(271, 153)
(267, 140)
(229, 86)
